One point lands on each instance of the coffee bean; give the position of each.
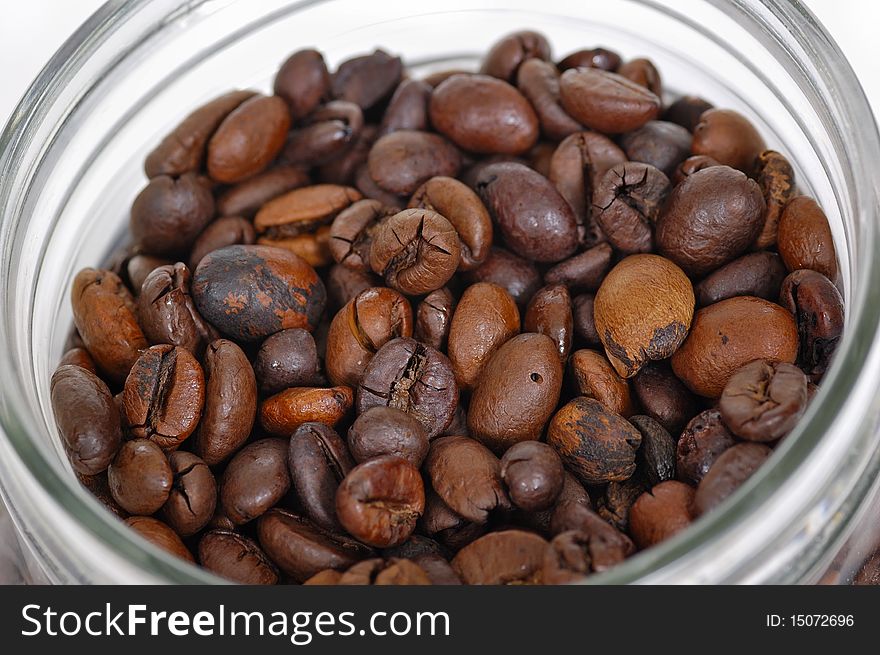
(505, 557)
(538, 81)
(775, 176)
(368, 187)
(643, 72)
(453, 531)
(661, 144)
(703, 441)
(287, 359)
(618, 498)
(284, 412)
(663, 397)
(160, 535)
(246, 198)
(344, 283)
(318, 460)
(434, 318)
(344, 168)
(592, 58)
(686, 111)
(227, 231)
(366, 80)
(517, 275)
(732, 468)
(236, 557)
(138, 268)
(605, 101)
(729, 137)
(302, 81)
(379, 572)
(78, 357)
(533, 474)
(690, 166)
(549, 313)
(567, 559)
(193, 495)
(606, 545)
(255, 480)
(594, 377)
(140, 477)
(438, 569)
(323, 135)
(584, 326)
(383, 431)
(402, 161)
(655, 458)
(661, 513)
(572, 491)
(508, 53)
(805, 239)
(757, 274)
(351, 235)
(327, 577)
(302, 211)
(416, 546)
(408, 108)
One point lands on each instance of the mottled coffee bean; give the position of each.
(302, 81)
(379, 572)
(618, 498)
(584, 326)
(533, 474)
(710, 219)
(193, 496)
(591, 58)
(246, 198)
(255, 480)
(538, 80)
(250, 292)
(686, 111)
(764, 400)
(434, 318)
(380, 501)
(661, 144)
(236, 557)
(413, 378)
(517, 275)
(606, 101)
(366, 80)
(643, 311)
(416, 250)
(226, 231)
(287, 359)
(78, 357)
(804, 238)
(468, 109)
(661, 513)
(549, 313)
(140, 477)
(663, 397)
(643, 72)
(729, 137)
(775, 176)
(690, 166)
(160, 535)
(302, 211)
(608, 546)
(732, 468)
(323, 135)
(164, 395)
(535, 221)
(504, 557)
(318, 460)
(402, 161)
(626, 204)
(381, 431)
(724, 337)
(485, 319)
(594, 443)
(516, 393)
(701, 443)
(655, 458)
(757, 274)
(594, 377)
(817, 307)
(408, 108)
(87, 418)
(230, 402)
(351, 235)
(284, 412)
(508, 53)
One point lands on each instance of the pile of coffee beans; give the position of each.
(501, 327)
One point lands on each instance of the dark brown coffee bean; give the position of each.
(732, 468)
(584, 326)
(255, 480)
(592, 58)
(351, 235)
(596, 444)
(517, 275)
(236, 557)
(343, 169)
(438, 569)
(690, 166)
(246, 198)
(661, 513)
(467, 109)
(323, 135)
(663, 397)
(686, 111)
(505, 557)
(618, 498)
(366, 80)
(655, 459)
(226, 231)
(318, 460)
(533, 474)
(379, 572)
(140, 477)
(416, 546)
(450, 529)
(658, 143)
(549, 313)
(344, 283)
(516, 393)
(608, 546)
(368, 187)
(164, 395)
(605, 101)
(729, 137)
(78, 357)
(284, 412)
(402, 161)
(160, 535)
(538, 80)
(193, 496)
(168, 214)
(408, 108)
(710, 219)
(302, 81)
(594, 377)
(567, 559)
(139, 267)
(805, 239)
(434, 318)
(757, 274)
(250, 292)
(87, 418)
(701, 443)
(626, 204)
(287, 359)
(817, 307)
(413, 378)
(643, 72)
(383, 431)
(183, 149)
(535, 221)
(508, 53)
(775, 176)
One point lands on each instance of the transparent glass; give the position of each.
(70, 165)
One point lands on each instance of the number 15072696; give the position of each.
(810, 621)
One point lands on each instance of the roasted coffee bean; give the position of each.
(236, 557)
(87, 418)
(300, 549)
(302, 211)
(284, 412)
(757, 274)
(434, 318)
(380, 501)
(466, 213)
(584, 326)
(160, 535)
(312, 247)
(414, 378)
(467, 109)
(250, 292)
(344, 283)
(605, 101)
(729, 137)
(655, 459)
(626, 204)
(366, 323)
(246, 198)
(302, 81)
(732, 468)
(139, 267)
(533, 474)
(538, 80)
(817, 307)
(485, 319)
(344, 168)
(255, 480)
(567, 558)
(516, 393)
(518, 276)
(572, 490)
(140, 477)
(661, 513)
(438, 569)
(408, 108)
(804, 238)
(594, 377)
(701, 443)
(775, 176)
(643, 311)
(383, 431)
(193, 496)
(226, 231)
(535, 221)
(164, 395)
(318, 460)
(324, 134)
(643, 72)
(595, 444)
(78, 357)
(402, 161)
(723, 338)
(663, 397)
(592, 58)
(710, 219)
(287, 359)
(368, 187)
(327, 577)
(416, 546)
(504, 557)
(661, 144)
(351, 235)
(690, 166)
(450, 529)
(618, 498)
(686, 111)
(549, 313)
(764, 400)
(380, 572)
(366, 80)
(607, 545)
(416, 250)
(508, 53)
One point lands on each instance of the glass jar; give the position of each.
(71, 163)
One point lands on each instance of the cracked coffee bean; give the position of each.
(775, 176)
(237, 558)
(193, 496)
(434, 318)
(351, 234)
